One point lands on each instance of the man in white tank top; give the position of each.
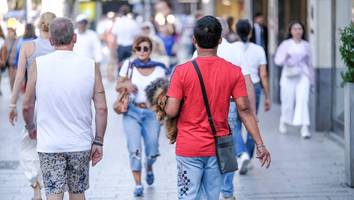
(63, 86)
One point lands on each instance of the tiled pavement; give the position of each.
(301, 169)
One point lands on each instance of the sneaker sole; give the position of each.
(243, 168)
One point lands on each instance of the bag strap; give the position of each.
(130, 68)
(205, 97)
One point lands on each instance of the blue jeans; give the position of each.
(198, 178)
(141, 124)
(241, 146)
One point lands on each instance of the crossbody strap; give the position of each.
(205, 97)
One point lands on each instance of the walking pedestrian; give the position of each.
(294, 54)
(125, 30)
(28, 35)
(87, 41)
(199, 175)
(28, 53)
(66, 143)
(140, 123)
(10, 45)
(251, 56)
(260, 32)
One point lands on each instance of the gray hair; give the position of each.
(61, 31)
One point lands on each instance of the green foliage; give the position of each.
(346, 50)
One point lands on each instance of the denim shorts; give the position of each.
(67, 171)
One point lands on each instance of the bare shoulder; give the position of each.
(29, 47)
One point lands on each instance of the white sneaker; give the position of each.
(243, 162)
(305, 133)
(282, 127)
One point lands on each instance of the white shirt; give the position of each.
(88, 44)
(64, 92)
(141, 81)
(251, 56)
(225, 52)
(126, 30)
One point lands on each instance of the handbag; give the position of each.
(120, 106)
(292, 71)
(225, 149)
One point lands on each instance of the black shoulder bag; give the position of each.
(224, 145)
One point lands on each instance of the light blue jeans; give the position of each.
(198, 178)
(141, 124)
(235, 123)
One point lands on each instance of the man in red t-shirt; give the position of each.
(199, 176)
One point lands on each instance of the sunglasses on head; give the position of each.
(145, 49)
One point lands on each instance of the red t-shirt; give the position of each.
(222, 80)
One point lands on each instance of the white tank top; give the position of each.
(64, 92)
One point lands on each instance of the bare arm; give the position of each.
(20, 74)
(172, 107)
(264, 80)
(29, 101)
(249, 120)
(251, 93)
(99, 100)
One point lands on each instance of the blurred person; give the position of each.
(125, 30)
(231, 36)
(28, 53)
(149, 31)
(66, 143)
(294, 54)
(28, 35)
(168, 35)
(87, 41)
(158, 52)
(251, 56)
(104, 30)
(140, 122)
(2, 55)
(199, 175)
(10, 45)
(260, 32)
(164, 8)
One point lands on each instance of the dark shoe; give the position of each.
(150, 177)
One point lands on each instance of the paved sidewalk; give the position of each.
(301, 169)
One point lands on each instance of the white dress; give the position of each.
(295, 81)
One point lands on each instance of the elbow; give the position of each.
(245, 111)
(170, 112)
(26, 108)
(102, 109)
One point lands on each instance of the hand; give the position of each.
(132, 89)
(263, 155)
(32, 134)
(287, 56)
(13, 116)
(267, 104)
(96, 154)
